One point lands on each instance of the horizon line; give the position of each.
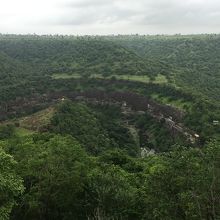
(103, 35)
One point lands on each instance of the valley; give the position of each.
(109, 127)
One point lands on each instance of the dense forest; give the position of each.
(109, 128)
(193, 58)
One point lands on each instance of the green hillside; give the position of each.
(194, 59)
(81, 55)
(109, 128)
(11, 69)
(188, 62)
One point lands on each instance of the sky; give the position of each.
(103, 17)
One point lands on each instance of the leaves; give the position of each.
(10, 184)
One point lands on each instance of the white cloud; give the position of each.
(109, 16)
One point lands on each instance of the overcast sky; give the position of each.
(109, 16)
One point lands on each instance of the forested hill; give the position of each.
(78, 55)
(11, 69)
(195, 58)
(171, 67)
(109, 128)
(188, 62)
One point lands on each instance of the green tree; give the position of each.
(183, 184)
(54, 169)
(10, 184)
(111, 193)
(7, 131)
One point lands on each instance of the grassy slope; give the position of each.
(38, 120)
(137, 78)
(32, 123)
(21, 132)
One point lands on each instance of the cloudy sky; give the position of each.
(109, 16)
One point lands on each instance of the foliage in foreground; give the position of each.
(62, 181)
(10, 184)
